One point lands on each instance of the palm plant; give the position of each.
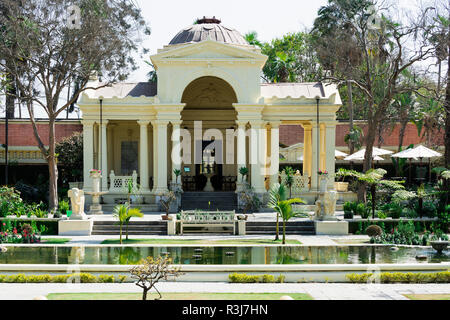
(177, 173)
(124, 213)
(283, 207)
(243, 171)
(289, 179)
(374, 179)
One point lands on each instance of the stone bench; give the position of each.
(207, 218)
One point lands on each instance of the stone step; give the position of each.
(280, 232)
(134, 233)
(132, 223)
(270, 228)
(145, 208)
(272, 223)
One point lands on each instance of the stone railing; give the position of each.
(300, 182)
(119, 184)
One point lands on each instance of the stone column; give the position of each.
(257, 155)
(241, 150)
(160, 156)
(274, 151)
(330, 141)
(176, 149)
(143, 155)
(88, 152)
(315, 157)
(307, 149)
(104, 155)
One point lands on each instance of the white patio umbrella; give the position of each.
(337, 154)
(418, 152)
(376, 152)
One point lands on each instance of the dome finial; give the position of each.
(208, 20)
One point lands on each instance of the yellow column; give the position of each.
(330, 151)
(257, 155)
(315, 156)
(160, 156)
(176, 149)
(322, 148)
(307, 149)
(104, 155)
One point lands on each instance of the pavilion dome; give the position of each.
(208, 29)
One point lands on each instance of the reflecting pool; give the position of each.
(220, 255)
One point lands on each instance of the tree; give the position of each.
(379, 56)
(69, 152)
(50, 51)
(151, 271)
(289, 58)
(124, 213)
(374, 179)
(283, 207)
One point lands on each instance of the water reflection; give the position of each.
(219, 255)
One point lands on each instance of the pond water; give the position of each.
(220, 255)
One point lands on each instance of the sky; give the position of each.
(269, 18)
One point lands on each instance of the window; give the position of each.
(129, 157)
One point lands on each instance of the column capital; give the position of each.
(257, 123)
(159, 122)
(176, 122)
(104, 123)
(143, 122)
(87, 122)
(275, 124)
(241, 123)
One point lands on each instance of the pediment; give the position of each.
(208, 50)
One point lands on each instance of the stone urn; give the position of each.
(439, 245)
(323, 182)
(95, 175)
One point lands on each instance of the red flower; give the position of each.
(15, 231)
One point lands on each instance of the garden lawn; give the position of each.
(443, 296)
(199, 241)
(177, 296)
(55, 240)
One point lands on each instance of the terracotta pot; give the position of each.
(341, 186)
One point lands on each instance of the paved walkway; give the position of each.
(319, 291)
(308, 240)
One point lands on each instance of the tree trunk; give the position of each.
(52, 168)
(144, 294)
(276, 229)
(351, 146)
(284, 232)
(447, 117)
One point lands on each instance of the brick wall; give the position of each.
(20, 133)
(292, 134)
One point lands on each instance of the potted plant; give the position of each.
(166, 202)
(243, 171)
(348, 210)
(177, 173)
(341, 186)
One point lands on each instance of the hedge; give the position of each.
(61, 278)
(402, 277)
(245, 278)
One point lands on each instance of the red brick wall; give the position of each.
(292, 134)
(21, 133)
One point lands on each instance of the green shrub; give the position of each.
(268, 278)
(374, 231)
(395, 210)
(60, 278)
(381, 214)
(63, 206)
(245, 278)
(402, 277)
(122, 278)
(362, 210)
(105, 278)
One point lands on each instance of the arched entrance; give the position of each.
(208, 113)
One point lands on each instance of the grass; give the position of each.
(177, 296)
(199, 241)
(443, 296)
(55, 240)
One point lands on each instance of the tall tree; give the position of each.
(382, 54)
(56, 41)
